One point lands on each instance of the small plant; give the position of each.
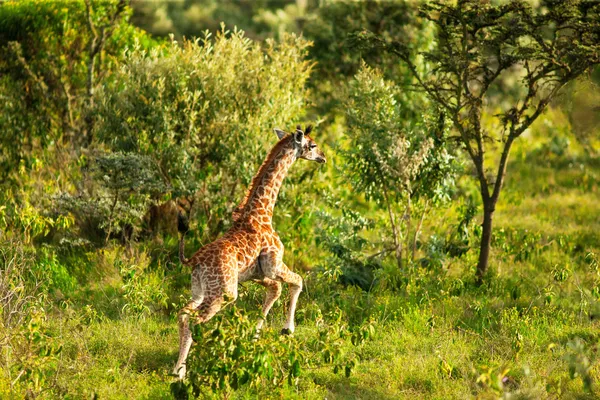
(143, 290)
(33, 354)
(330, 340)
(30, 352)
(493, 378)
(462, 234)
(230, 357)
(561, 273)
(394, 160)
(581, 360)
(54, 275)
(16, 290)
(340, 236)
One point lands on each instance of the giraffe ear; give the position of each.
(299, 135)
(279, 132)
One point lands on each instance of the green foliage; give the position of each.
(581, 359)
(461, 236)
(143, 289)
(34, 354)
(22, 213)
(230, 356)
(330, 25)
(52, 274)
(476, 44)
(391, 157)
(197, 109)
(123, 186)
(386, 149)
(30, 353)
(191, 18)
(167, 119)
(340, 236)
(16, 289)
(46, 72)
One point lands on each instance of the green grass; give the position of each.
(531, 331)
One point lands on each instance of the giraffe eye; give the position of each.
(312, 145)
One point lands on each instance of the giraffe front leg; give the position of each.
(295, 285)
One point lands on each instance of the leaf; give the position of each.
(295, 371)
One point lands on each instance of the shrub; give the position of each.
(393, 158)
(29, 357)
(203, 110)
(143, 289)
(230, 357)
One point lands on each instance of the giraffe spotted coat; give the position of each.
(250, 250)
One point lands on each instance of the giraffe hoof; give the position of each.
(286, 331)
(179, 372)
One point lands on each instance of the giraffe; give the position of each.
(250, 250)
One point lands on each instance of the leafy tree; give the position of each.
(391, 157)
(203, 111)
(325, 23)
(477, 43)
(192, 17)
(580, 102)
(55, 54)
(116, 197)
(330, 25)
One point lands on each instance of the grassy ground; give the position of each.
(531, 331)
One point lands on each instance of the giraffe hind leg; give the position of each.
(183, 319)
(200, 313)
(185, 336)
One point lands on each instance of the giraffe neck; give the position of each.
(262, 195)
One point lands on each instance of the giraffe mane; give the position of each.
(238, 211)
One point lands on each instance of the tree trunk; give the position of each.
(399, 256)
(486, 240)
(408, 219)
(418, 230)
(395, 233)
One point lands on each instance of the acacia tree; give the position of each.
(476, 44)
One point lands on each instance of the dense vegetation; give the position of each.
(109, 127)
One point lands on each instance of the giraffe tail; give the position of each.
(182, 227)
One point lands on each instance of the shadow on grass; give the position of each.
(158, 360)
(340, 387)
(590, 336)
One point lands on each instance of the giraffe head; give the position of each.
(305, 146)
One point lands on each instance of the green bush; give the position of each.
(30, 352)
(393, 157)
(45, 85)
(203, 111)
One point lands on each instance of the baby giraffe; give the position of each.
(250, 250)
